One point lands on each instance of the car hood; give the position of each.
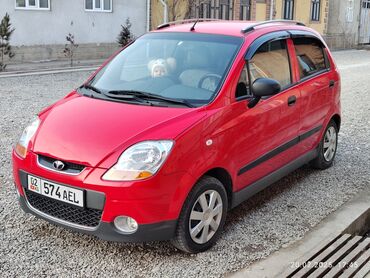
(85, 130)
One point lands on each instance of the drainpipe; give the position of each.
(148, 7)
(271, 9)
(359, 24)
(165, 11)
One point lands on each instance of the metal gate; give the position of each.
(364, 36)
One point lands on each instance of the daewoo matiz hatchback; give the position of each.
(182, 125)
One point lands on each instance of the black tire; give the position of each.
(183, 240)
(321, 162)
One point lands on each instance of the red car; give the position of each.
(179, 127)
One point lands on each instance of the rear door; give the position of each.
(315, 85)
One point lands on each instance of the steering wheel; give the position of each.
(209, 81)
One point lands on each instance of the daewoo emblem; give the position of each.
(58, 165)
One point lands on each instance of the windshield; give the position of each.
(180, 66)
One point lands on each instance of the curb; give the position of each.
(47, 71)
(279, 264)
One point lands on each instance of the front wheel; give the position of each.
(327, 147)
(202, 217)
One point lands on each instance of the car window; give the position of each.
(310, 56)
(271, 60)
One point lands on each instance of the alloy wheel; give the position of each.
(205, 216)
(330, 143)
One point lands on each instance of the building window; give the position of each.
(315, 10)
(32, 4)
(219, 9)
(366, 4)
(245, 9)
(98, 5)
(288, 9)
(205, 10)
(225, 9)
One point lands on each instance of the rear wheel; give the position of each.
(327, 148)
(202, 217)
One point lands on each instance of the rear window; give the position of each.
(310, 56)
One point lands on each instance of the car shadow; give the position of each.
(273, 191)
(49, 232)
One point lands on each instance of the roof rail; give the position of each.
(251, 28)
(184, 21)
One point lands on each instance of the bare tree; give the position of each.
(70, 47)
(191, 5)
(174, 9)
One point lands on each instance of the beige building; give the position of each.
(313, 13)
(343, 23)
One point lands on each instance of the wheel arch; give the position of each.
(336, 118)
(225, 178)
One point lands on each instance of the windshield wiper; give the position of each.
(139, 94)
(92, 88)
(128, 97)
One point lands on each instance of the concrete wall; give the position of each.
(340, 32)
(92, 30)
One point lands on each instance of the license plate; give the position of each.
(56, 191)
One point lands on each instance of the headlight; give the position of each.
(140, 161)
(22, 145)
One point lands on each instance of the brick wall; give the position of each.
(236, 10)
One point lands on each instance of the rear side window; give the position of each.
(271, 60)
(310, 55)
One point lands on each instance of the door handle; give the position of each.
(292, 100)
(331, 83)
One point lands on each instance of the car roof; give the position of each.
(231, 28)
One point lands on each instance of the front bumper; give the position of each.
(154, 203)
(148, 232)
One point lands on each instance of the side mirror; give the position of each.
(263, 87)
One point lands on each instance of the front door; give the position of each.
(266, 133)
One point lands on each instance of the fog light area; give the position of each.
(126, 224)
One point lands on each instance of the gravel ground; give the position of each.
(272, 219)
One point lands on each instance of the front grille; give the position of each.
(70, 168)
(81, 216)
